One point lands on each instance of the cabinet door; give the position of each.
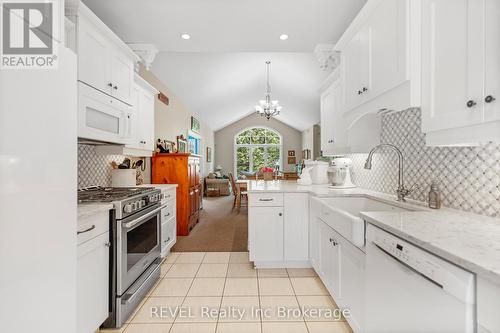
(330, 260)
(122, 76)
(168, 235)
(92, 283)
(148, 120)
(93, 59)
(388, 45)
(265, 233)
(333, 127)
(295, 226)
(351, 73)
(314, 232)
(492, 66)
(452, 64)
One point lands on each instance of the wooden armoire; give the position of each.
(184, 170)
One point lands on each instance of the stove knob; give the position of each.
(138, 204)
(143, 203)
(127, 208)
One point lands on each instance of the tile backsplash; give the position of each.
(94, 169)
(469, 177)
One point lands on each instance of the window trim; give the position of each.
(256, 145)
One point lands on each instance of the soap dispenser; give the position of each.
(435, 196)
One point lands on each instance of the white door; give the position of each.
(327, 121)
(351, 73)
(492, 65)
(296, 226)
(330, 260)
(266, 233)
(148, 119)
(452, 64)
(388, 45)
(122, 77)
(92, 283)
(93, 58)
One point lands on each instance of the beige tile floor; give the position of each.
(225, 282)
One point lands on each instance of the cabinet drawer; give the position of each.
(168, 195)
(92, 226)
(265, 199)
(168, 211)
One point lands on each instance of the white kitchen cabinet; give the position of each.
(266, 241)
(296, 228)
(329, 257)
(315, 207)
(144, 116)
(105, 62)
(357, 68)
(333, 129)
(460, 71)
(93, 272)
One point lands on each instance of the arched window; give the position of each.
(255, 148)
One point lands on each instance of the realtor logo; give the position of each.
(28, 31)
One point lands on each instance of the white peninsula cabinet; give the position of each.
(278, 229)
(93, 271)
(460, 71)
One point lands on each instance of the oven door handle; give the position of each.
(129, 298)
(133, 223)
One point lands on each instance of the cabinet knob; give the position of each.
(365, 89)
(108, 244)
(359, 92)
(280, 214)
(471, 104)
(115, 87)
(110, 84)
(489, 99)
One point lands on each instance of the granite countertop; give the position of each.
(89, 209)
(468, 240)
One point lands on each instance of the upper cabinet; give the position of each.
(143, 118)
(460, 71)
(379, 56)
(104, 61)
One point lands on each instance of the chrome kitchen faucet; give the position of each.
(402, 192)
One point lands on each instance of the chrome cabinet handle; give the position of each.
(333, 241)
(107, 244)
(471, 104)
(266, 200)
(489, 99)
(86, 230)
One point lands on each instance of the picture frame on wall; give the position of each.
(291, 153)
(292, 160)
(182, 146)
(209, 154)
(195, 125)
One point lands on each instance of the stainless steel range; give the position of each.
(135, 256)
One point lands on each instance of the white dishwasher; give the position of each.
(411, 290)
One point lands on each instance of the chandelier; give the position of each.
(267, 107)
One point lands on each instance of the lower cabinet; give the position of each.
(341, 267)
(92, 283)
(488, 303)
(266, 233)
(278, 229)
(329, 260)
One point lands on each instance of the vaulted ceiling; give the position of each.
(220, 72)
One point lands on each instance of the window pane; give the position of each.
(273, 157)
(273, 138)
(243, 140)
(258, 158)
(259, 140)
(242, 159)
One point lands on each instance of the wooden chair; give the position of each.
(238, 194)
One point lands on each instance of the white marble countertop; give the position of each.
(89, 209)
(161, 186)
(468, 240)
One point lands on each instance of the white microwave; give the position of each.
(102, 117)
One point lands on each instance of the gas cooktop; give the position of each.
(110, 194)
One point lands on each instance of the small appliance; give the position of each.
(339, 173)
(318, 172)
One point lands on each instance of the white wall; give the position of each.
(224, 140)
(175, 119)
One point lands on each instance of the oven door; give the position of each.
(138, 245)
